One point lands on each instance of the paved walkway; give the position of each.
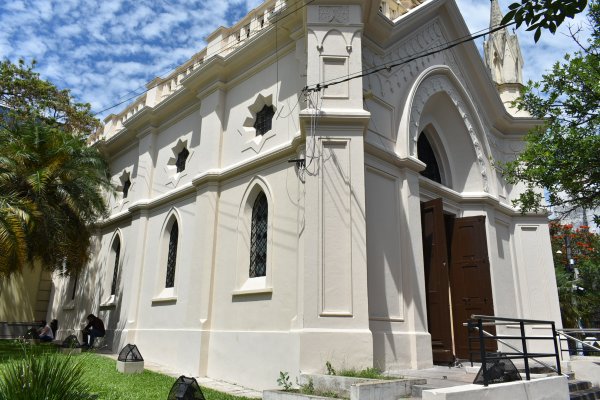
(444, 376)
(221, 386)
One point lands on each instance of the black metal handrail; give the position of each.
(585, 347)
(479, 321)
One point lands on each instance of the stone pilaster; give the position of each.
(335, 322)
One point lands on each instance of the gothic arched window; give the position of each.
(264, 119)
(426, 154)
(172, 255)
(116, 250)
(258, 236)
(181, 158)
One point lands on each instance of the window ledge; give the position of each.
(245, 292)
(169, 299)
(111, 302)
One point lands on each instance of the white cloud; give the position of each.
(103, 50)
(68, 30)
(15, 6)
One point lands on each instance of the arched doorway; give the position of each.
(457, 268)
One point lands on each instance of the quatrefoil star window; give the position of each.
(181, 155)
(260, 118)
(264, 120)
(124, 183)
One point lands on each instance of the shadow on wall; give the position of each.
(75, 297)
(18, 295)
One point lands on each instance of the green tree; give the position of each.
(579, 296)
(52, 184)
(542, 14)
(563, 154)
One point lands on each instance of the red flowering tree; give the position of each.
(579, 294)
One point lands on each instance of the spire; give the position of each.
(502, 52)
(503, 58)
(495, 14)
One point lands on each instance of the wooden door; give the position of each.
(470, 280)
(435, 259)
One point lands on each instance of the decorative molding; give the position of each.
(429, 87)
(386, 81)
(335, 14)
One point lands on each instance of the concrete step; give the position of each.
(583, 390)
(575, 385)
(586, 394)
(417, 390)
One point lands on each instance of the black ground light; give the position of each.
(71, 342)
(498, 370)
(185, 388)
(130, 353)
(130, 360)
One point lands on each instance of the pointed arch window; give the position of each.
(181, 158)
(264, 120)
(116, 249)
(74, 287)
(172, 255)
(258, 236)
(426, 154)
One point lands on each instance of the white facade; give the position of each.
(345, 279)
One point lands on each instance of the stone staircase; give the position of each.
(583, 390)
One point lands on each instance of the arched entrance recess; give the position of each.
(455, 255)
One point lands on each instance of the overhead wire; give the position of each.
(402, 61)
(224, 49)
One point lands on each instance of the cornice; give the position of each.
(335, 117)
(209, 177)
(475, 198)
(411, 163)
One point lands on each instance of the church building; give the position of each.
(318, 184)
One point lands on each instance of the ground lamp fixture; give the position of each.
(185, 388)
(130, 360)
(70, 345)
(499, 369)
(70, 342)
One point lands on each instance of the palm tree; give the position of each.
(52, 190)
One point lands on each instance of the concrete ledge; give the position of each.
(586, 368)
(552, 388)
(362, 388)
(384, 390)
(132, 367)
(333, 383)
(283, 395)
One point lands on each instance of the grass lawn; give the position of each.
(109, 384)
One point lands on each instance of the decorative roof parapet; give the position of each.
(393, 9)
(222, 42)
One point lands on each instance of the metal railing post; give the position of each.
(469, 332)
(482, 352)
(525, 355)
(554, 335)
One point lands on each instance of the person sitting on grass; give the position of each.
(45, 333)
(94, 329)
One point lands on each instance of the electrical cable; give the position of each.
(369, 71)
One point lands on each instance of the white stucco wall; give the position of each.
(345, 278)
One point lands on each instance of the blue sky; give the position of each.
(106, 50)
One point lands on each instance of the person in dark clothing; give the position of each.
(94, 329)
